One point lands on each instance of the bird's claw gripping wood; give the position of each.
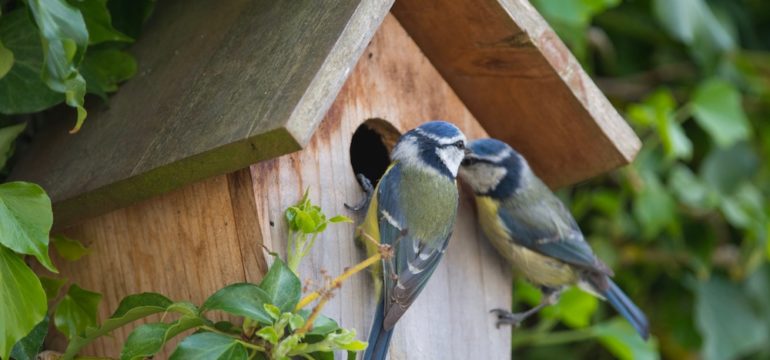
(505, 317)
(368, 189)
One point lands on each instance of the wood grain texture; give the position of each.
(395, 82)
(222, 85)
(522, 84)
(186, 245)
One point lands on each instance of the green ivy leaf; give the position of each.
(69, 249)
(340, 219)
(269, 334)
(65, 38)
(726, 320)
(654, 208)
(28, 347)
(52, 286)
(322, 325)
(690, 190)
(76, 311)
(104, 69)
(6, 59)
(22, 297)
(209, 346)
(25, 220)
(693, 23)
(726, 169)
(575, 308)
(620, 338)
(98, 22)
(22, 89)
(8, 137)
(282, 286)
(148, 339)
(657, 112)
(717, 107)
(131, 308)
(242, 299)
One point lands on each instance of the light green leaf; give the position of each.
(726, 169)
(620, 338)
(22, 90)
(65, 38)
(269, 334)
(28, 347)
(690, 190)
(242, 299)
(6, 59)
(51, 286)
(340, 218)
(726, 320)
(282, 286)
(69, 249)
(131, 308)
(209, 346)
(77, 311)
(8, 137)
(693, 22)
(105, 69)
(297, 321)
(148, 339)
(575, 308)
(717, 107)
(23, 300)
(657, 112)
(744, 208)
(98, 22)
(654, 208)
(25, 220)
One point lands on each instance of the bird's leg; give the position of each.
(505, 317)
(366, 185)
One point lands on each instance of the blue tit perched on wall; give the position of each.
(412, 209)
(534, 231)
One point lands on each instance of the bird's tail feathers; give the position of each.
(379, 338)
(620, 301)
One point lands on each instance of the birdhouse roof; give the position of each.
(222, 85)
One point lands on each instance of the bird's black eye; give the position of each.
(460, 144)
(465, 162)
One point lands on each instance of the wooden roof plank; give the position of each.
(522, 84)
(221, 85)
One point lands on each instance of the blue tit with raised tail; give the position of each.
(412, 209)
(530, 227)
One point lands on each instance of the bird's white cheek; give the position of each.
(451, 157)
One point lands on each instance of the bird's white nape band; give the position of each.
(439, 139)
(498, 157)
(408, 153)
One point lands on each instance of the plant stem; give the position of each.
(338, 280)
(251, 346)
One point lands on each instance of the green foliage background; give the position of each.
(686, 225)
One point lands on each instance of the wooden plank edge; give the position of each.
(222, 160)
(328, 81)
(561, 59)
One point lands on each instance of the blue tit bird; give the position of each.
(412, 209)
(534, 231)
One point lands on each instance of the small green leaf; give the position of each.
(340, 219)
(304, 222)
(282, 286)
(296, 321)
(269, 334)
(690, 190)
(28, 347)
(717, 107)
(727, 321)
(286, 345)
(148, 339)
(22, 298)
(52, 286)
(131, 308)
(8, 137)
(620, 338)
(273, 310)
(25, 220)
(726, 169)
(242, 299)
(654, 208)
(209, 346)
(76, 311)
(104, 69)
(69, 249)
(6, 59)
(184, 307)
(98, 22)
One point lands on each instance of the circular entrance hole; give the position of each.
(370, 148)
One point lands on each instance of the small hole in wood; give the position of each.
(370, 148)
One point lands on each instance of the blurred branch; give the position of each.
(636, 86)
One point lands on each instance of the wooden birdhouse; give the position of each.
(239, 106)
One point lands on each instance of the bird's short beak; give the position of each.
(467, 151)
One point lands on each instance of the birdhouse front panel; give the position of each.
(392, 89)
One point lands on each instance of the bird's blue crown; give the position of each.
(498, 153)
(422, 145)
